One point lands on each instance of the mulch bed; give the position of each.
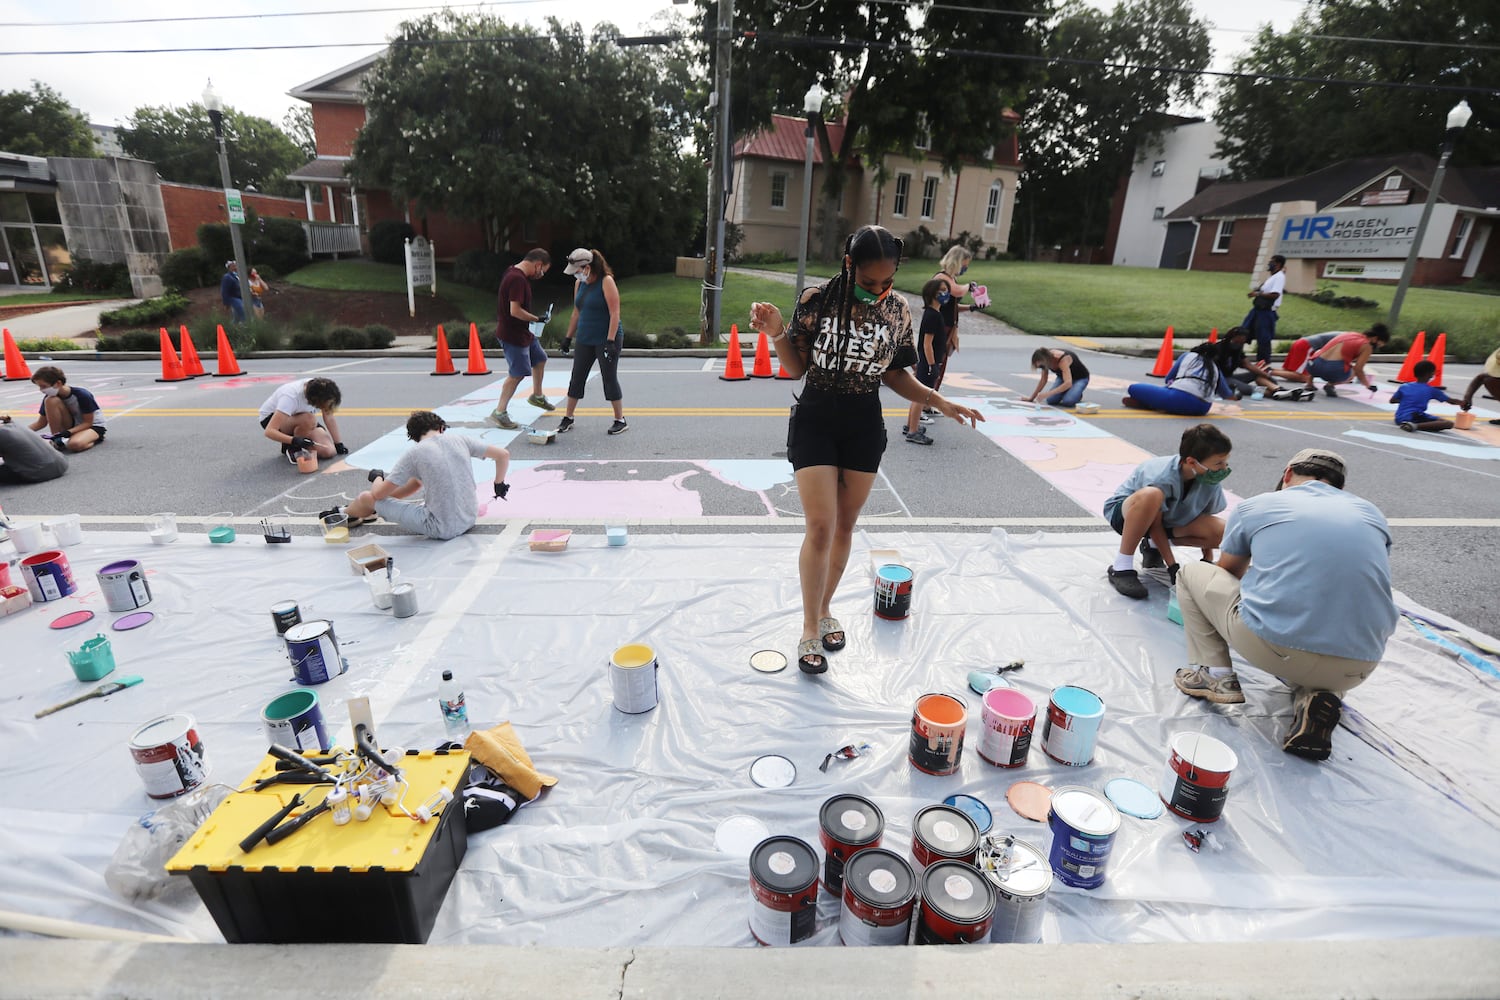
(287, 302)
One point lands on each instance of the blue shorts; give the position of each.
(520, 360)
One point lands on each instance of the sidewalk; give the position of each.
(69, 321)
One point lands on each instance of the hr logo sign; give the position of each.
(1349, 233)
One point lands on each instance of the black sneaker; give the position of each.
(1311, 735)
(375, 474)
(1150, 557)
(1128, 583)
(1329, 389)
(324, 515)
(618, 427)
(565, 425)
(919, 436)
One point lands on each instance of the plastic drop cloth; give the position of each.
(1392, 837)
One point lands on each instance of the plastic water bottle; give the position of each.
(455, 711)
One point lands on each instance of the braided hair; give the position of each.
(1208, 371)
(865, 245)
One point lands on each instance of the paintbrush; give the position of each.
(102, 691)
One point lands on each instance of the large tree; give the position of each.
(1112, 79)
(505, 124)
(297, 123)
(1280, 128)
(181, 142)
(39, 122)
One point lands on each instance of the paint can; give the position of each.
(1083, 824)
(893, 586)
(632, 677)
(168, 754)
(27, 536)
(284, 615)
(404, 600)
(783, 891)
(1196, 781)
(943, 833)
(295, 720)
(1021, 877)
(1072, 725)
(48, 576)
(937, 733)
(314, 651)
(958, 905)
(880, 892)
(847, 825)
(1007, 717)
(124, 585)
(1463, 420)
(68, 529)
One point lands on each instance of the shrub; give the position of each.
(380, 337)
(675, 339)
(458, 335)
(157, 310)
(734, 235)
(479, 269)
(275, 243)
(771, 257)
(188, 268)
(130, 340)
(94, 276)
(347, 338)
(307, 340)
(1328, 297)
(388, 240)
(49, 344)
(921, 242)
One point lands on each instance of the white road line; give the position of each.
(1343, 439)
(892, 487)
(708, 365)
(346, 364)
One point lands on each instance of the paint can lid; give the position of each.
(957, 892)
(132, 621)
(768, 661)
(982, 681)
(71, 619)
(1078, 701)
(1030, 799)
(852, 820)
(308, 630)
(162, 730)
(784, 864)
(895, 573)
(972, 808)
(773, 771)
(738, 835)
(1133, 798)
(1027, 874)
(880, 878)
(1085, 810)
(946, 830)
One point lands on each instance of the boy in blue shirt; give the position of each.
(1412, 398)
(1166, 500)
(71, 415)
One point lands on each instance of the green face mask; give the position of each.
(1214, 476)
(867, 297)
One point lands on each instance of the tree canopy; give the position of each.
(181, 142)
(524, 125)
(1282, 128)
(1082, 127)
(39, 122)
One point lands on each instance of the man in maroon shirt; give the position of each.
(523, 352)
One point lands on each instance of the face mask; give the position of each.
(944, 298)
(963, 270)
(868, 297)
(1214, 476)
(50, 391)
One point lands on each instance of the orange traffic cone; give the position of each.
(444, 358)
(476, 354)
(191, 366)
(1436, 358)
(762, 358)
(1407, 374)
(228, 364)
(781, 372)
(1164, 357)
(15, 364)
(171, 365)
(734, 363)
(1213, 335)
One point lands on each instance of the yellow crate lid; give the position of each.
(388, 839)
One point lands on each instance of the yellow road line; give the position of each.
(772, 411)
(1084, 342)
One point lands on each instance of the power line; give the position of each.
(261, 16)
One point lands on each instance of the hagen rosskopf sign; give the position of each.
(421, 269)
(1371, 231)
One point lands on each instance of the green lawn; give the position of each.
(55, 298)
(1073, 300)
(475, 305)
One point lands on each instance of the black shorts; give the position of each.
(1117, 521)
(845, 430)
(928, 374)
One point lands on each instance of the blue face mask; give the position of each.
(963, 270)
(944, 298)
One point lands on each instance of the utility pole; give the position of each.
(215, 109)
(718, 181)
(1457, 119)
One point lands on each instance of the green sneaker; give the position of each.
(540, 402)
(502, 418)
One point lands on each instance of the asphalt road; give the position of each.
(195, 448)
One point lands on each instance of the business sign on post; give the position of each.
(1349, 232)
(236, 206)
(421, 269)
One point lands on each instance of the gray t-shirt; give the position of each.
(441, 462)
(1320, 573)
(27, 456)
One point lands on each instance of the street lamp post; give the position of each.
(216, 115)
(1457, 119)
(812, 104)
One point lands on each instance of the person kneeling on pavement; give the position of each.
(1317, 622)
(1166, 500)
(439, 466)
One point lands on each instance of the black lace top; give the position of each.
(879, 338)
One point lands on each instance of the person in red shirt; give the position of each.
(523, 352)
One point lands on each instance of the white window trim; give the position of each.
(1159, 168)
(1158, 213)
(1465, 229)
(1219, 235)
(1392, 183)
(923, 139)
(937, 183)
(786, 186)
(997, 192)
(897, 197)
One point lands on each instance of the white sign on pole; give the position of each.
(1350, 232)
(1352, 269)
(236, 205)
(421, 269)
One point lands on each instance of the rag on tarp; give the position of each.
(502, 780)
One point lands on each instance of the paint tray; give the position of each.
(550, 539)
(378, 881)
(537, 435)
(13, 599)
(364, 558)
(1086, 408)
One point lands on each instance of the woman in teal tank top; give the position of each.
(595, 326)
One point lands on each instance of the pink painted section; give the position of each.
(550, 494)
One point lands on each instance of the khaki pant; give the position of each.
(1210, 602)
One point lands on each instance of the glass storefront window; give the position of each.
(24, 258)
(54, 251)
(44, 209)
(13, 208)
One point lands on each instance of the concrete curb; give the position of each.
(1288, 970)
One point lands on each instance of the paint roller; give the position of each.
(364, 744)
(260, 832)
(295, 758)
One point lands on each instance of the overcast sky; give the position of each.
(109, 87)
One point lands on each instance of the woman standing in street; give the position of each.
(951, 268)
(596, 327)
(849, 336)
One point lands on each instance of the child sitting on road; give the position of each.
(70, 414)
(1169, 499)
(1412, 398)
